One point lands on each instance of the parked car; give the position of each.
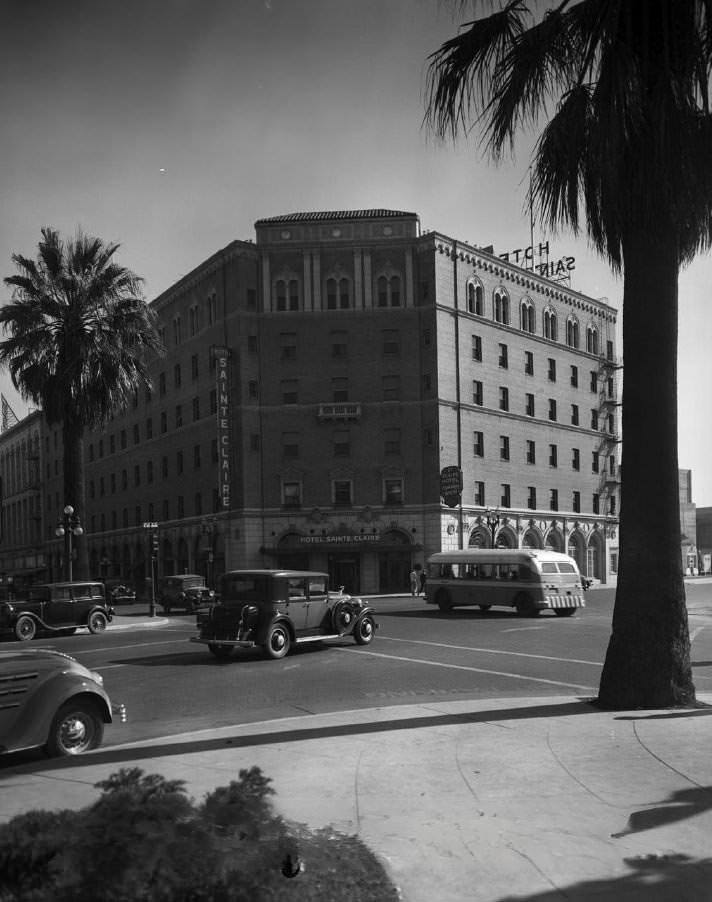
(187, 591)
(276, 609)
(58, 608)
(122, 595)
(50, 700)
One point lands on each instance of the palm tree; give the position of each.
(626, 151)
(77, 335)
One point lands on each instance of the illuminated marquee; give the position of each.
(222, 384)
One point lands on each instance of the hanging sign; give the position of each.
(451, 485)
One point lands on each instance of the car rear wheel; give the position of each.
(97, 622)
(25, 628)
(443, 600)
(77, 727)
(364, 630)
(221, 651)
(564, 612)
(278, 641)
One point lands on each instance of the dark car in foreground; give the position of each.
(277, 609)
(50, 700)
(186, 591)
(56, 608)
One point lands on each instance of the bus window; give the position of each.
(548, 567)
(566, 568)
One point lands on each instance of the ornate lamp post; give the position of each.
(68, 526)
(151, 529)
(492, 520)
(209, 528)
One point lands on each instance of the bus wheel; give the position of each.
(564, 612)
(484, 607)
(525, 606)
(443, 601)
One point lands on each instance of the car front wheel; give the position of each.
(364, 630)
(25, 628)
(77, 727)
(97, 622)
(278, 641)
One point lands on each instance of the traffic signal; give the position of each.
(154, 545)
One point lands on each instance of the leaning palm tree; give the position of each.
(626, 152)
(77, 335)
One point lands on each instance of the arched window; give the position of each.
(388, 291)
(592, 340)
(526, 316)
(331, 294)
(572, 332)
(501, 306)
(550, 326)
(475, 297)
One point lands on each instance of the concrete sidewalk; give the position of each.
(538, 799)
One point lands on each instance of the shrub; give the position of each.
(144, 839)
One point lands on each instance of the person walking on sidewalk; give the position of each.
(414, 582)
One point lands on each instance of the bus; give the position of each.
(527, 579)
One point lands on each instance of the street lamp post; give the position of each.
(492, 520)
(208, 527)
(68, 526)
(151, 529)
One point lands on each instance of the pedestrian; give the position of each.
(423, 578)
(414, 582)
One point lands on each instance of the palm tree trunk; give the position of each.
(75, 492)
(648, 659)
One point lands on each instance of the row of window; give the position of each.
(167, 510)
(594, 382)
(338, 292)
(393, 493)
(552, 409)
(527, 318)
(200, 314)
(120, 481)
(530, 455)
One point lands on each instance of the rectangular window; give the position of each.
(179, 415)
(594, 381)
(612, 465)
(149, 471)
(478, 444)
(196, 409)
(213, 400)
(290, 444)
(553, 456)
(529, 404)
(252, 344)
(176, 375)
(531, 497)
(339, 344)
(341, 489)
(504, 447)
(291, 494)
(391, 388)
(479, 498)
(181, 506)
(149, 428)
(551, 372)
(506, 499)
(554, 500)
(596, 502)
(576, 500)
(574, 377)
(531, 451)
(179, 462)
(164, 466)
(124, 442)
(136, 435)
(288, 346)
(112, 443)
(552, 409)
(575, 459)
(574, 415)
(611, 424)
(477, 348)
(609, 387)
(529, 363)
(503, 398)
(342, 443)
(609, 350)
(594, 419)
(393, 491)
(161, 384)
(612, 505)
(595, 461)
(164, 422)
(477, 392)
(392, 441)
(194, 367)
(137, 474)
(503, 357)
(391, 343)
(290, 391)
(339, 389)
(196, 457)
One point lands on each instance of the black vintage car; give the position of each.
(57, 608)
(276, 609)
(186, 591)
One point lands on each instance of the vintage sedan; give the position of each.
(50, 700)
(277, 609)
(186, 590)
(56, 608)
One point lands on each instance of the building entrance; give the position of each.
(393, 570)
(345, 570)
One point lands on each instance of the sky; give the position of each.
(171, 126)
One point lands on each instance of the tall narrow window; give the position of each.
(477, 348)
(592, 340)
(477, 392)
(478, 443)
(531, 497)
(526, 314)
(554, 500)
(331, 294)
(395, 291)
(501, 306)
(293, 294)
(529, 363)
(382, 291)
(531, 451)
(474, 298)
(503, 398)
(503, 356)
(553, 456)
(479, 497)
(550, 325)
(572, 332)
(506, 499)
(504, 447)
